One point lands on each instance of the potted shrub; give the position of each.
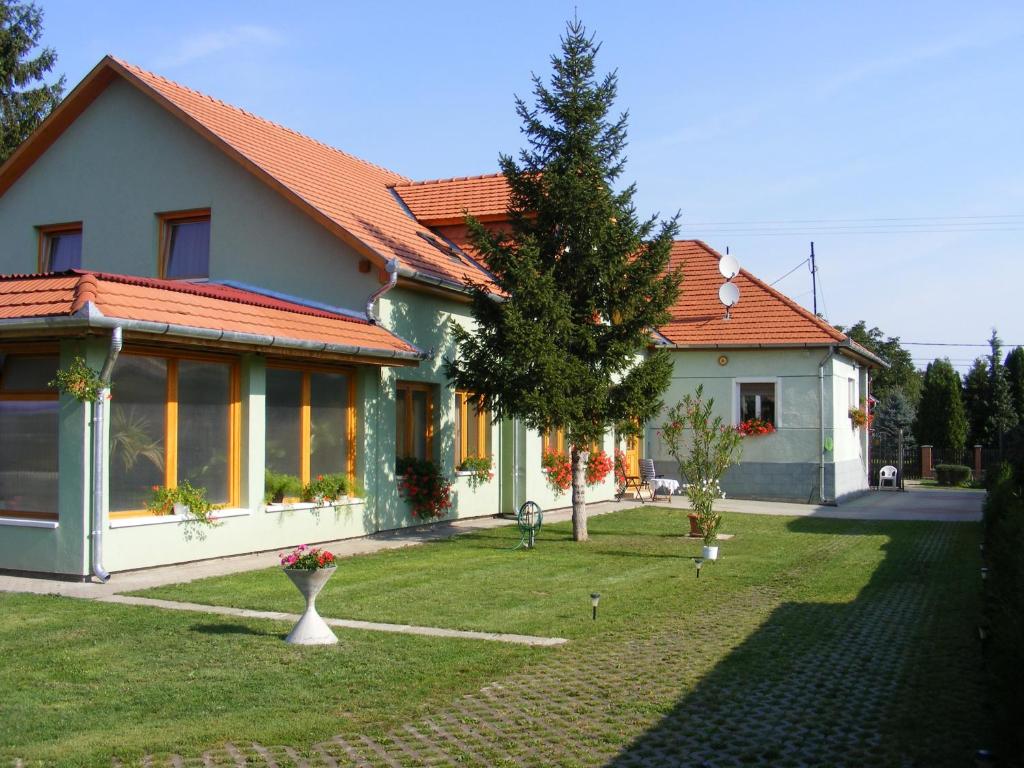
(278, 486)
(480, 469)
(309, 569)
(80, 381)
(755, 427)
(704, 447)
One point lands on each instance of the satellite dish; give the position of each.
(728, 266)
(729, 294)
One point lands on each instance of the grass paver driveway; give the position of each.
(812, 642)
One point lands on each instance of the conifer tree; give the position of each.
(1001, 414)
(23, 107)
(584, 278)
(1015, 374)
(976, 401)
(941, 420)
(894, 412)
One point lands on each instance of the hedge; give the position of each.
(1004, 609)
(952, 474)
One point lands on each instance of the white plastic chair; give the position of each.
(887, 475)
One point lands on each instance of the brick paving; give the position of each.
(760, 679)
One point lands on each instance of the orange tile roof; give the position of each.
(206, 307)
(763, 316)
(444, 201)
(349, 196)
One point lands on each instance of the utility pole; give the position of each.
(814, 279)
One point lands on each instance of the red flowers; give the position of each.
(558, 469)
(424, 488)
(307, 558)
(598, 467)
(753, 427)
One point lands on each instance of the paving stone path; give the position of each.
(763, 679)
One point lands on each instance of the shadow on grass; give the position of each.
(892, 677)
(234, 629)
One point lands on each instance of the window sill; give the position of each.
(302, 506)
(28, 522)
(143, 520)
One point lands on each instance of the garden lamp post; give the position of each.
(698, 561)
(595, 598)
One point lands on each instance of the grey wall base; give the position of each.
(794, 481)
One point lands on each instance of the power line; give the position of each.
(811, 232)
(794, 269)
(951, 344)
(844, 221)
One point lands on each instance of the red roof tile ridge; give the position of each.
(137, 70)
(424, 182)
(89, 286)
(775, 293)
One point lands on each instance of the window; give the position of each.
(309, 422)
(852, 393)
(185, 245)
(28, 436)
(472, 430)
(173, 419)
(757, 401)
(414, 420)
(60, 247)
(554, 441)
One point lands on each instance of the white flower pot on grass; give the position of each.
(311, 629)
(711, 553)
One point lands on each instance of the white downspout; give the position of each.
(392, 270)
(99, 456)
(821, 425)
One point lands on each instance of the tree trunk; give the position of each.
(579, 487)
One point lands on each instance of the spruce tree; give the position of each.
(941, 420)
(1001, 414)
(894, 412)
(23, 107)
(976, 401)
(584, 278)
(1015, 374)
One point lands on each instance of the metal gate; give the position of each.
(888, 450)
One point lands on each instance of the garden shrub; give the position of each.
(1004, 608)
(953, 474)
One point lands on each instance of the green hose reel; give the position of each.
(529, 521)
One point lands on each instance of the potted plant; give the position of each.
(704, 448)
(309, 569)
(326, 489)
(80, 381)
(479, 468)
(428, 492)
(861, 417)
(183, 499)
(755, 427)
(278, 486)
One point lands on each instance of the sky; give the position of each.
(889, 134)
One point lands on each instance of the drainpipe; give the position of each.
(821, 425)
(99, 457)
(392, 270)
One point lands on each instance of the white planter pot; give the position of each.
(711, 553)
(311, 629)
(181, 509)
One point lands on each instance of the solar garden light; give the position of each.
(698, 561)
(595, 598)
(984, 573)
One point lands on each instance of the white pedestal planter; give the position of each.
(711, 553)
(311, 629)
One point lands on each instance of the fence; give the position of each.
(884, 451)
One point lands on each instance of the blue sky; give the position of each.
(889, 133)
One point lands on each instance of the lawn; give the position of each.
(831, 621)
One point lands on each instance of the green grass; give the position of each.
(92, 680)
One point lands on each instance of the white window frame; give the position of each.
(775, 380)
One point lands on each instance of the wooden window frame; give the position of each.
(166, 221)
(483, 417)
(405, 389)
(560, 443)
(173, 358)
(45, 232)
(737, 409)
(306, 416)
(30, 395)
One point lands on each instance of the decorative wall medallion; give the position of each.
(722, 359)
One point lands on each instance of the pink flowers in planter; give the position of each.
(307, 558)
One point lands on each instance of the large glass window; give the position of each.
(472, 430)
(308, 425)
(757, 401)
(185, 245)
(60, 248)
(171, 420)
(29, 419)
(414, 414)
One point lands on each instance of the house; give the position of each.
(267, 302)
